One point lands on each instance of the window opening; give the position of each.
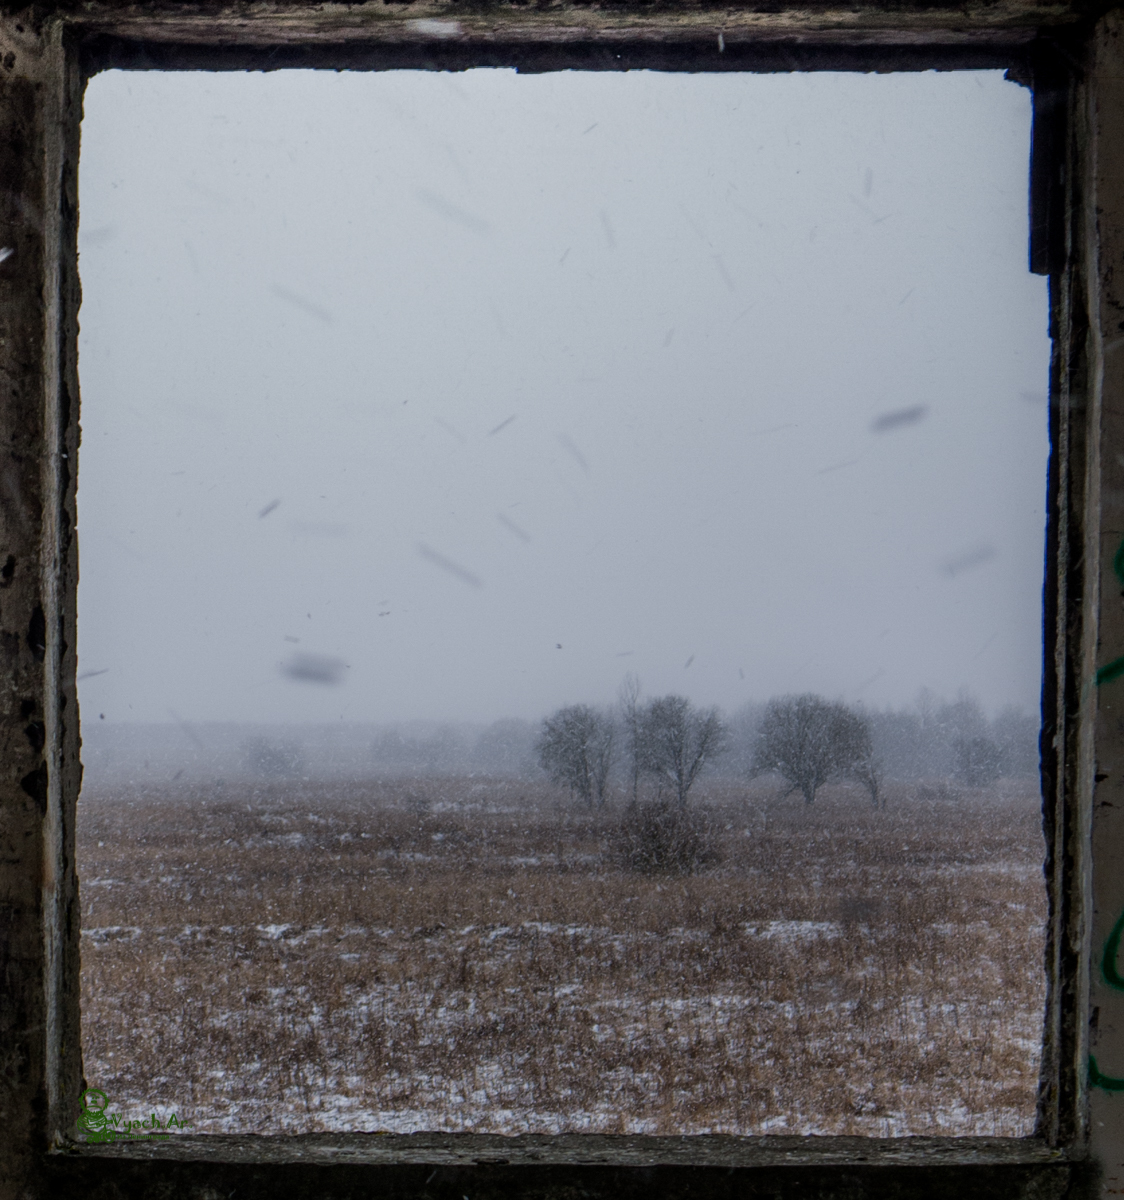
(460, 449)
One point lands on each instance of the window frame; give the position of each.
(1071, 62)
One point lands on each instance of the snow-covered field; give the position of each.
(477, 955)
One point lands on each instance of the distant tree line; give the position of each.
(504, 748)
(806, 740)
(934, 738)
(930, 739)
(666, 743)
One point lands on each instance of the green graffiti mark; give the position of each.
(92, 1119)
(1112, 977)
(97, 1125)
(1110, 671)
(1107, 1082)
(1118, 563)
(1109, 969)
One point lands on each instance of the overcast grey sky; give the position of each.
(495, 387)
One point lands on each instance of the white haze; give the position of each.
(451, 397)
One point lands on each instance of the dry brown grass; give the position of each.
(475, 955)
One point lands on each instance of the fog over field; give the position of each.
(917, 741)
(414, 396)
(560, 602)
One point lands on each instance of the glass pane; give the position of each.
(560, 611)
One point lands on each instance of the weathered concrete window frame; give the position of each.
(1073, 58)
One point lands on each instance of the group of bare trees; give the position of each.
(668, 739)
(806, 740)
(928, 739)
(933, 738)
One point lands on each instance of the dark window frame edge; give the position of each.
(1053, 62)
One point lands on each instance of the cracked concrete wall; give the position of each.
(38, 565)
(1104, 230)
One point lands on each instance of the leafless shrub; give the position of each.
(656, 837)
(861, 910)
(678, 741)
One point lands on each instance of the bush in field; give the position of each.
(575, 749)
(661, 838)
(979, 761)
(808, 740)
(676, 741)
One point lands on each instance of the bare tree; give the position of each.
(628, 700)
(808, 740)
(855, 750)
(868, 772)
(575, 749)
(979, 761)
(678, 740)
(602, 748)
